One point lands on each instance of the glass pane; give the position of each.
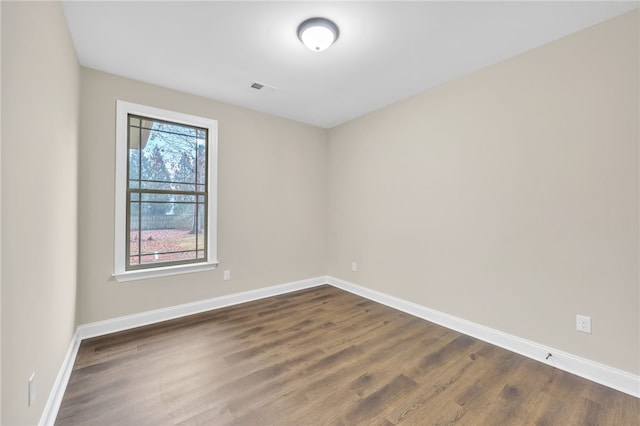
(201, 164)
(156, 215)
(134, 214)
(147, 123)
(134, 138)
(163, 257)
(201, 240)
(184, 217)
(183, 166)
(134, 231)
(155, 165)
(201, 217)
(167, 245)
(174, 129)
(134, 121)
(148, 259)
(185, 139)
(154, 197)
(164, 186)
(163, 237)
(183, 187)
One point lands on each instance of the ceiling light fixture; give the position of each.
(318, 33)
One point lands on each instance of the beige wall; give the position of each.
(40, 99)
(271, 204)
(508, 197)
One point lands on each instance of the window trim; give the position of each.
(123, 109)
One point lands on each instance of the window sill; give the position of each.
(143, 274)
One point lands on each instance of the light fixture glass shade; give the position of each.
(318, 33)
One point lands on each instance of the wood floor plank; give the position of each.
(322, 356)
(436, 390)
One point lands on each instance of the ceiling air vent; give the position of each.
(264, 89)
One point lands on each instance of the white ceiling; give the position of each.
(387, 51)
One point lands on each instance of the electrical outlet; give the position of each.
(354, 266)
(227, 275)
(583, 323)
(32, 390)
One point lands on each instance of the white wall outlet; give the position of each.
(32, 390)
(227, 275)
(354, 266)
(583, 323)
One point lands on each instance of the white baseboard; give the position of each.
(151, 317)
(60, 385)
(100, 328)
(596, 372)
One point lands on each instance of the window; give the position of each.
(166, 167)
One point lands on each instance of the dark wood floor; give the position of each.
(320, 357)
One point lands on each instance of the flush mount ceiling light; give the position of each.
(318, 33)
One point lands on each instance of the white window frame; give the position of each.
(123, 109)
